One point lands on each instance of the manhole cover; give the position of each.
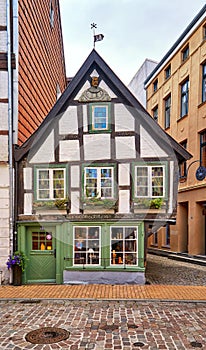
(47, 335)
(195, 344)
(139, 343)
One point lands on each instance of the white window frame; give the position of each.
(124, 252)
(149, 177)
(51, 187)
(99, 180)
(87, 263)
(93, 117)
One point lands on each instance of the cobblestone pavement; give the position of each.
(101, 325)
(161, 270)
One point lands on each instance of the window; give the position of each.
(204, 82)
(150, 181)
(168, 72)
(124, 246)
(185, 53)
(99, 182)
(155, 85)
(155, 113)
(184, 98)
(204, 32)
(99, 118)
(42, 241)
(86, 245)
(167, 111)
(51, 184)
(183, 165)
(203, 148)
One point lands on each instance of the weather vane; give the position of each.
(97, 37)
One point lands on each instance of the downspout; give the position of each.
(10, 131)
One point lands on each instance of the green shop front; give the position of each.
(73, 252)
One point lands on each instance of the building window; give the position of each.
(168, 72)
(204, 32)
(86, 245)
(99, 118)
(155, 85)
(185, 53)
(167, 111)
(42, 241)
(150, 181)
(155, 113)
(204, 82)
(99, 182)
(51, 184)
(184, 98)
(124, 246)
(203, 148)
(183, 165)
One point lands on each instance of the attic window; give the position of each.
(99, 118)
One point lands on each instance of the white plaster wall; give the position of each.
(124, 174)
(148, 146)
(97, 146)
(28, 199)
(75, 197)
(124, 201)
(124, 121)
(3, 41)
(45, 154)
(2, 13)
(104, 86)
(27, 175)
(3, 83)
(3, 116)
(84, 87)
(85, 118)
(4, 176)
(69, 150)
(75, 176)
(125, 147)
(4, 148)
(170, 206)
(68, 123)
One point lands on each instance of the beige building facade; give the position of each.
(176, 98)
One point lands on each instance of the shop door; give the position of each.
(41, 266)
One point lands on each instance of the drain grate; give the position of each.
(47, 335)
(195, 344)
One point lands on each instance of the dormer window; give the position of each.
(99, 118)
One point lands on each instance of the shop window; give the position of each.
(155, 85)
(167, 111)
(42, 241)
(99, 182)
(155, 113)
(168, 72)
(150, 181)
(185, 53)
(184, 98)
(204, 82)
(50, 183)
(99, 118)
(203, 148)
(124, 246)
(86, 245)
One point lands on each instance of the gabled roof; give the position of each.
(95, 61)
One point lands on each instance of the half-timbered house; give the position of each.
(96, 178)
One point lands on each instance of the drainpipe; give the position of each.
(10, 131)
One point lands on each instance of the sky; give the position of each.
(133, 31)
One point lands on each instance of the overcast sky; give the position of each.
(133, 31)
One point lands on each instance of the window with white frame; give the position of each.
(99, 182)
(150, 181)
(99, 117)
(124, 246)
(204, 82)
(86, 245)
(51, 184)
(167, 111)
(184, 98)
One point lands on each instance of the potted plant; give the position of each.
(17, 263)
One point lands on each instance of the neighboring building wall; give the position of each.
(136, 85)
(170, 82)
(41, 70)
